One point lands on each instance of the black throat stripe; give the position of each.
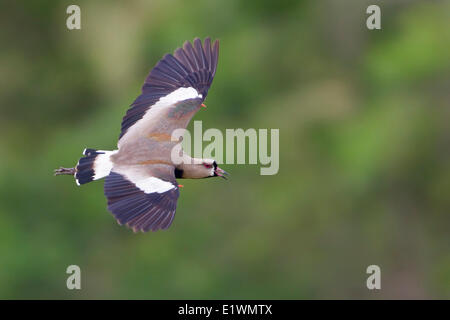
(179, 173)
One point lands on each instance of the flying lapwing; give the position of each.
(140, 183)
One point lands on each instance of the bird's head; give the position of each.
(212, 170)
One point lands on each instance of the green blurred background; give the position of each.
(364, 150)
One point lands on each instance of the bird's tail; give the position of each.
(95, 164)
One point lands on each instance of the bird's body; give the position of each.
(140, 182)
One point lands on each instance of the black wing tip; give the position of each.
(137, 210)
(193, 65)
(188, 45)
(201, 58)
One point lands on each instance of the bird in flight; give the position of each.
(140, 176)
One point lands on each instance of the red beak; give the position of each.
(221, 173)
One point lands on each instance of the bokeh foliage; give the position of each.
(364, 150)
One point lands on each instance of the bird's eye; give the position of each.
(207, 165)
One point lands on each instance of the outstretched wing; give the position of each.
(172, 92)
(143, 197)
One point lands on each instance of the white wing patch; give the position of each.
(143, 181)
(179, 95)
(172, 98)
(152, 184)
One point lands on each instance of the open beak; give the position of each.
(221, 173)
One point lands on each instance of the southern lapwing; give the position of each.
(140, 183)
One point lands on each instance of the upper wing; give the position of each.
(172, 92)
(143, 197)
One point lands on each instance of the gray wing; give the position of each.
(172, 92)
